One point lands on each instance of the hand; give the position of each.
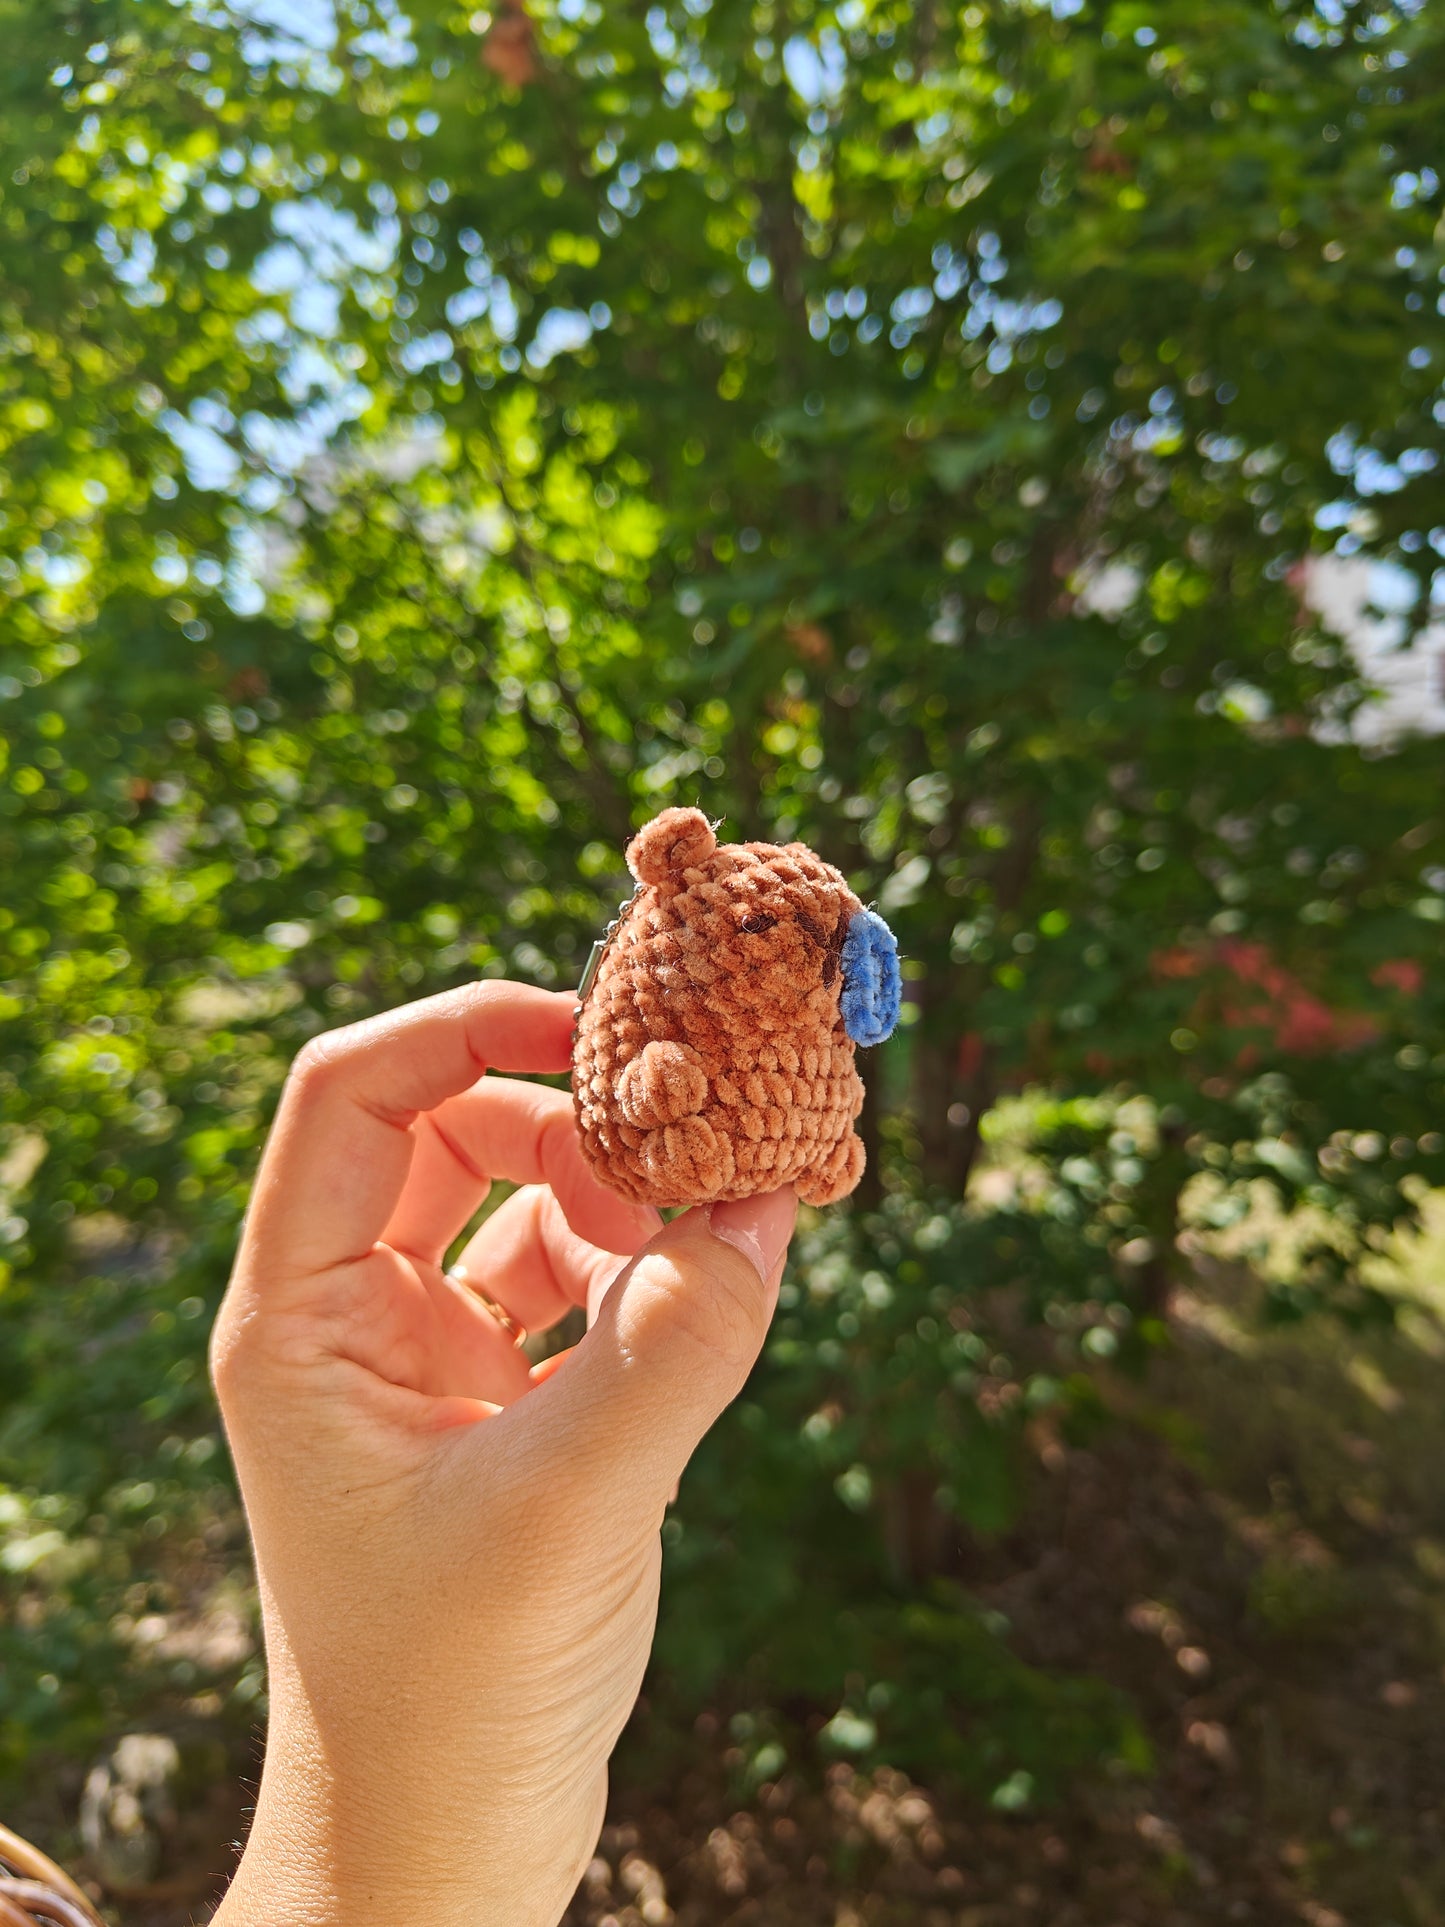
(458, 1557)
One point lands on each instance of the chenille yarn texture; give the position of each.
(716, 1045)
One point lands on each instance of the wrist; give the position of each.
(313, 1885)
(334, 1848)
(287, 1889)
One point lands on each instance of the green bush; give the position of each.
(816, 1559)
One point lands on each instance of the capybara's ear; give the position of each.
(872, 981)
(674, 841)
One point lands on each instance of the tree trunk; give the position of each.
(870, 1120)
(952, 1089)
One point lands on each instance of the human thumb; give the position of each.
(675, 1338)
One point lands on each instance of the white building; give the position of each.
(1365, 603)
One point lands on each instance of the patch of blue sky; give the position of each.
(207, 436)
(490, 293)
(467, 304)
(816, 69)
(659, 32)
(211, 461)
(504, 308)
(245, 568)
(560, 331)
(333, 242)
(1373, 473)
(424, 351)
(131, 259)
(307, 23)
(59, 570)
(1408, 188)
(311, 372)
(319, 250)
(1009, 321)
(316, 308)
(912, 305)
(304, 33)
(689, 72)
(313, 301)
(1394, 590)
(286, 446)
(389, 46)
(1160, 431)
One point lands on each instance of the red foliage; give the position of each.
(1301, 1024)
(510, 48)
(1405, 974)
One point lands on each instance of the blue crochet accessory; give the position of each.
(872, 982)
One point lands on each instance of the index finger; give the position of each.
(525, 1133)
(341, 1145)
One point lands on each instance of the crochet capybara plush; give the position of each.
(716, 1030)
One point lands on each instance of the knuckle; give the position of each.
(226, 1358)
(554, 1135)
(319, 1055)
(256, 1353)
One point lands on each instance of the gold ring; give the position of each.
(514, 1329)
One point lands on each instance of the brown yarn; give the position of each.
(711, 1061)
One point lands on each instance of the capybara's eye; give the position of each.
(757, 923)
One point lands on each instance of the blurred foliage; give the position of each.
(817, 1563)
(434, 441)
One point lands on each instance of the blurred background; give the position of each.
(999, 444)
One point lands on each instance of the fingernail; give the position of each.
(758, 1227)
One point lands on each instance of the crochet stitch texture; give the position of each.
(713, 1057)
